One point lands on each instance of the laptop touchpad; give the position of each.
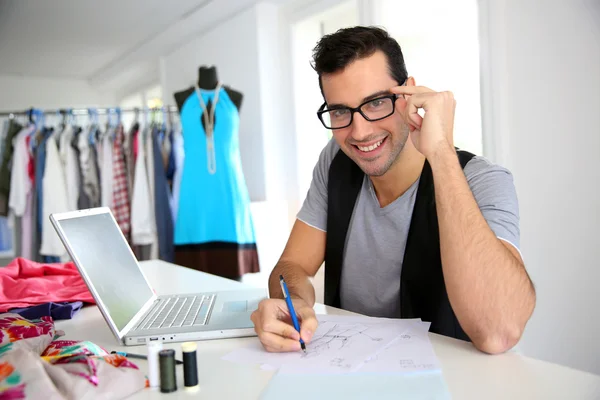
(235, 306)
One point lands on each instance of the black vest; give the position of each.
(422, 288)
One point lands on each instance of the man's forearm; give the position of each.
(489, 289)
(297, 280)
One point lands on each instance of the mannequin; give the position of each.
(208, 80)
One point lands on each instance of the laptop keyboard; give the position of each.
(175, 312)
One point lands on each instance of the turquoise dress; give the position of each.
(213, 216)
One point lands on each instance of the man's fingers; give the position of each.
(281, 328)
(277, 343)
(309, 323)
(254, 317)
(269, 349)
(411, 113)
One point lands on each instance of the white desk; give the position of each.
(468, 373)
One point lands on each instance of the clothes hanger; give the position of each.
(60, 126)
(117, 120)
(93, 113)
(36, 117)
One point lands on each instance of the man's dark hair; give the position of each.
(336, 51)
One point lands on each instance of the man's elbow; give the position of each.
(499, 342)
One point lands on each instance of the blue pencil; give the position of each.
(288, 300)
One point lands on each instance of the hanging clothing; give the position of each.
(90, 196)
(178, 157)
(214, 230)
(6, 235)
(20, 184)
(120, 186)
(3, 133)
(5, 167)
(129, 158)
(142, 210)
(27, 229)
(106, 175)
(55, 198)
(27, 250)
(68, 156)
(168, 156)
(20, 193)
(40, 166)
(164, 217)
(149, 139)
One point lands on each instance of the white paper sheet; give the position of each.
(341, 344)
(410, 352)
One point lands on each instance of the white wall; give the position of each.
(22, 92)
(545, 113)
(233, 48)
(311, 136)
(274, 60)
(431, 53)
(276, 106)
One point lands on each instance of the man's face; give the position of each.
(373, 146)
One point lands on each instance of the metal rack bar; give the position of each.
(86, 111)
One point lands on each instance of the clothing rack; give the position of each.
(89, 111)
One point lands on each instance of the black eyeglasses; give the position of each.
(372, 110)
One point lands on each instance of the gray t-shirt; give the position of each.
(370, 282)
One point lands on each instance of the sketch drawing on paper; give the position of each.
(337, 337)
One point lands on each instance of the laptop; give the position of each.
(134, 313)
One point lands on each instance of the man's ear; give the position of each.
(410, 81)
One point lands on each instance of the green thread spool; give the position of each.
(168, 378)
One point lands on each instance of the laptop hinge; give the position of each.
(138, 316)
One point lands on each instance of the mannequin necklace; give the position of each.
(209, 126)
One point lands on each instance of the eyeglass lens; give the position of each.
(373, 110)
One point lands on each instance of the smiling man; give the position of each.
(408, 226)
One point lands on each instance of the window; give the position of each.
(148, 98)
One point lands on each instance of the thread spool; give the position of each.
(190, 366)
(168, 378)
(153, 371)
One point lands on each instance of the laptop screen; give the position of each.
(96, 241)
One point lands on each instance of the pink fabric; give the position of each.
(25, 283)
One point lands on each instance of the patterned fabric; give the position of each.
(11, 386)
(34, 366)
(121, 208)
(16, 331)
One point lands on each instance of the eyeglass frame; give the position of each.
(353, 110)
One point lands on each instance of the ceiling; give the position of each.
(76, 39)
(100, 41)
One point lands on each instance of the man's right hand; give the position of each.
(273, 324)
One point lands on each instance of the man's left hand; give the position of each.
(433, 131)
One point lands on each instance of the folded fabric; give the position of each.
(33, 364)
(57, 311)
(25, 283)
